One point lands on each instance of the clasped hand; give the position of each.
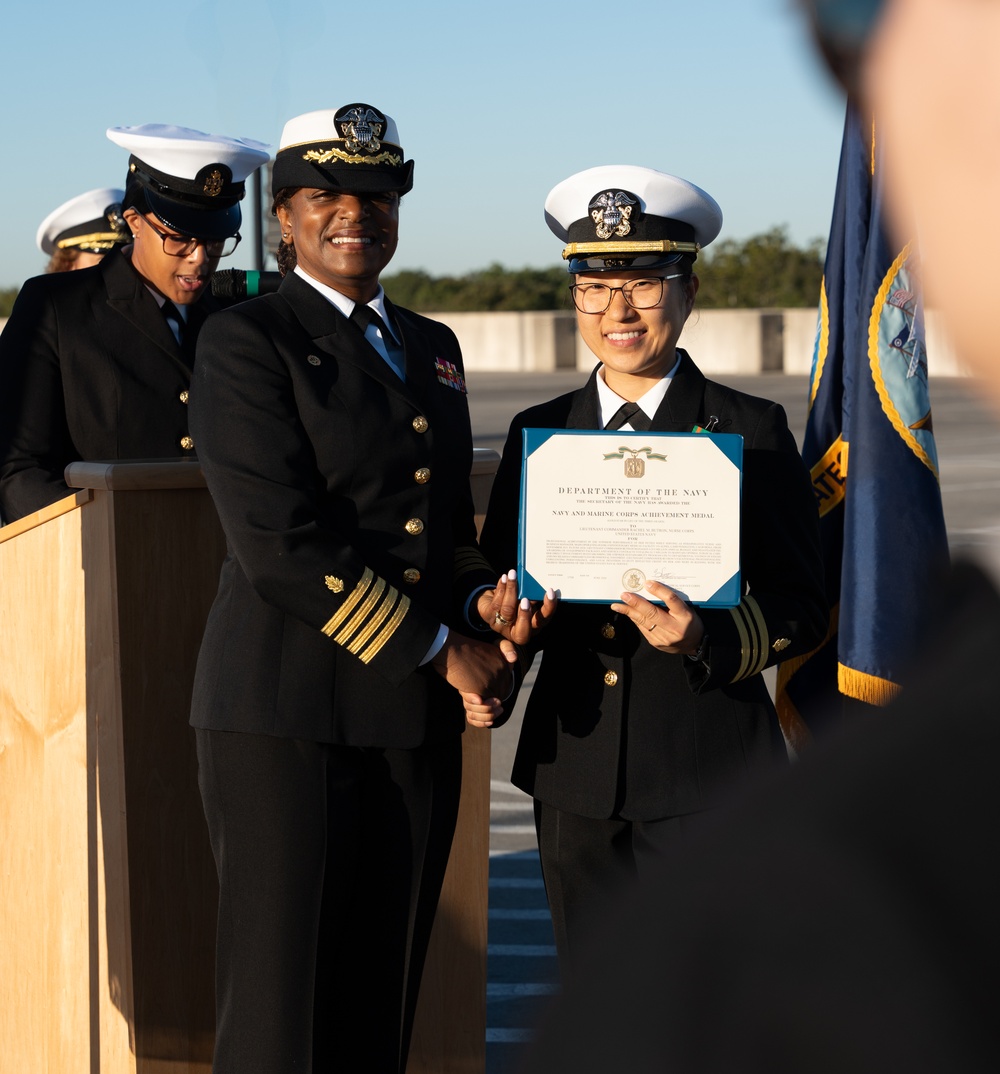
(517, 621)
(673, 627)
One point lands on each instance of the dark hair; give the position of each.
(287, 259)
(62, 259)
(135, 198)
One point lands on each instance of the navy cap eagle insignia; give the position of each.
(361, 128)
(611, 211)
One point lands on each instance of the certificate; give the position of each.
(603, 512)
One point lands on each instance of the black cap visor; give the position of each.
(195, 220)
(612, 262)
(291, 171)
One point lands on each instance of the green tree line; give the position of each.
(764, 271)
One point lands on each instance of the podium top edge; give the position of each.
(484, 461)
(136, 474)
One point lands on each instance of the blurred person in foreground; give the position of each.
(843, 918)
(82, 230)
(96, 364)
(333, 430)
(645, 715)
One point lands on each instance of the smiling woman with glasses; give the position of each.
(646, 712)
(644, 294)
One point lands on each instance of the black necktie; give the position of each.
(631, 413)
(174, 319)
(364, 316)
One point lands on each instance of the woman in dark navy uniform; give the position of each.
(644, 714)
(82, 230)
(96, 364)
(333, 429)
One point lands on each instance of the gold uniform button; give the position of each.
(420, 424)
(610, 677)
(183, 397)
(414, 526)
(411, 576)
(607, 631)
(422, 476)
(187, 443)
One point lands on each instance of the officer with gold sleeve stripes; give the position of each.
(333, 429)
(646, 712)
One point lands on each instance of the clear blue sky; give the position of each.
(495, 103)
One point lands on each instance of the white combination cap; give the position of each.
(354, 148)
(625, 216)
(191, 180)
(91, 222)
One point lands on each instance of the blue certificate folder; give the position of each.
(729, 444)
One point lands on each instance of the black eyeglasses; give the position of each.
(185, 245)
(639, 294)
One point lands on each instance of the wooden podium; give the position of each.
(107, 885)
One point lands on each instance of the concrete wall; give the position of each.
(532, 341)
(721, 341)
(800, 342)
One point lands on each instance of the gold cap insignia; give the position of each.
(334, 584)
(213, 183)
(610, 210)
(361, 127)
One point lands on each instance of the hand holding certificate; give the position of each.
(603, 512)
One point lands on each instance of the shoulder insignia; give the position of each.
(334, 584)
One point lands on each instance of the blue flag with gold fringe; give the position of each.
(869, 444)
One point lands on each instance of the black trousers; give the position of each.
(586, 863)
(330, 863)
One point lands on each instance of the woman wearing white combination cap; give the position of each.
(82, 230)
(333, 430)
(96, 364)
(644, 714)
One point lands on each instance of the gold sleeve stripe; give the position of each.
(469, 559)
(754, 654)
(390, 628)
(760, 629)
(354, 623)
(348, 606)
(381, 614)
(741, 630)
(752, 629)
